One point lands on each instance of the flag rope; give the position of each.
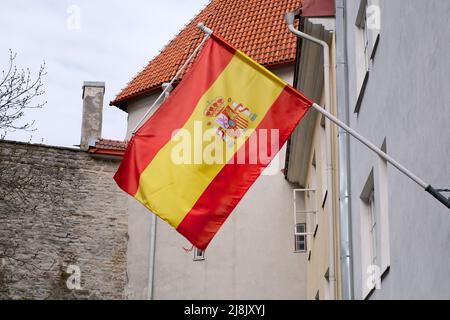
(168, 87)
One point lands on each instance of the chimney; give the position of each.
(91, 126)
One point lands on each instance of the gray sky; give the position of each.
(112, 42)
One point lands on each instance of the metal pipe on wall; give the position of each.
(151, 268)
(344, 153)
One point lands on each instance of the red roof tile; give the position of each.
(109, 147)
(256, 27)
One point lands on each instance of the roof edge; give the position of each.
(122, 103)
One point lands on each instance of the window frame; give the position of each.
(197, 256)
(366, 41)
(366, 46)
(369, 231)
(372, 219)
(298, 234)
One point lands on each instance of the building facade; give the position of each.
(328, 219)
(397, 80)
(312, 162)
(342, 223)
(253, 255)
(390, 237)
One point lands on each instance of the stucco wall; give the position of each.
(60, 207)
(406, 102)
(308, 162)
(139, 220)
(252, 256)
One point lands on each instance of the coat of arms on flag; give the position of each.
(230, 119)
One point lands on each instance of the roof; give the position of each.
(109, 147)
(255, 27)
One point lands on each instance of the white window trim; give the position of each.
(198, 256)
(303, 234)
(372, 219)
(365, 40)
(323, 163)
(302, 215)
(369, 239)
(383, 200)
(376, 187)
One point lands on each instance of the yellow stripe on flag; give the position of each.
(170, 190)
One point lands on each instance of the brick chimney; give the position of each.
(91, 126)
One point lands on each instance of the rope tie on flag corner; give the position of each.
(169, 85)
(188, 250)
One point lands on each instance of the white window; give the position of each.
(384, 259)
(369, 236)
(323, 162)
(300, 237)
(372, 228)
(199, 255)
(369, 23)
(305, 210)
(367, 33)
(365, 41)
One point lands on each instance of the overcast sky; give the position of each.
(111, 41)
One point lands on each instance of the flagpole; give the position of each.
(169, 86)
(427, 187)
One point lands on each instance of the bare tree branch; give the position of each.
(18, 90)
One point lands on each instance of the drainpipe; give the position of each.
(290, 17)
(151, 267)
(344, 153)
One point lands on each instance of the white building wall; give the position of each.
(406, 103)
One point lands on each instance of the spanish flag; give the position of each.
(196, 157)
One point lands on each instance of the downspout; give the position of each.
(290, 17)
(151, 267)
(344, 153)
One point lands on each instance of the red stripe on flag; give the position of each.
(172, 115)
(233, 181)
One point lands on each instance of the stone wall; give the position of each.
(60, 207)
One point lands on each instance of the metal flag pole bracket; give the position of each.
(437, 193)
(205, 29)
(167, 87)
(427, 187)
